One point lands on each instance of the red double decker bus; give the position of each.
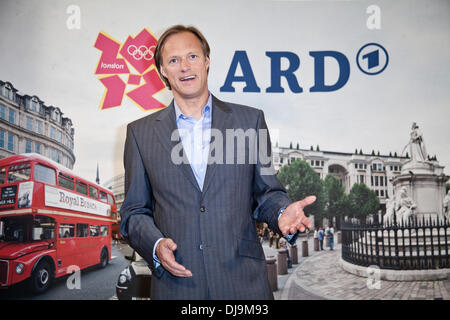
(52, 222)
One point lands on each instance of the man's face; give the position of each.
(185, 66)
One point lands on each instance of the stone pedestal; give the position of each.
(282, 262)
(272, 272)
(425, 184)
(294, 254)
(304, 248)
(316, 244)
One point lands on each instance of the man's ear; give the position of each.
(163, 72)
(207, 63)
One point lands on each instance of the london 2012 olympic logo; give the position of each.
(119, 59)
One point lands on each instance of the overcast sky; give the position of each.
(41, 56)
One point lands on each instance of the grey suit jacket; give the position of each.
(214, 228)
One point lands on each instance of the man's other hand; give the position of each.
(293, 217)
(164, 251)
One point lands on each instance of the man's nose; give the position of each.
(185, 65)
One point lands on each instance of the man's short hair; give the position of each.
(175, 30)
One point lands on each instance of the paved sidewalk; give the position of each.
(320, 276)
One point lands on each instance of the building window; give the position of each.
(2, 139)
(37, 147)
(10, 142)
(380, 167)
(28, 146)
(376, 181)
(39, 126)
(312, 163)
(382, 193)
(371, 180)
(361, 179)
(58, 136)
(33, 105)
(356, 166)
(30, 123)
(52, 133)
(377, 193)
(7, 92)
(322, 163)
(2, 112)
(381, 181)
(12, 116)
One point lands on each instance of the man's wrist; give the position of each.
(156, 261)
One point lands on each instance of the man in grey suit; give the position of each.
(191, 202)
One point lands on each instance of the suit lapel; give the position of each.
(166, 126)
(221, 118)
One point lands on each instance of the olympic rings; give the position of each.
(141, 52)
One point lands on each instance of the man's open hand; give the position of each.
(293, 217)
(164, 251)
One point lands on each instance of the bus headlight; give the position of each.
(19, 268)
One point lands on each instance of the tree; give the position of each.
(356, 151)
(390, 154)
(373, 152)
(362, 201)
(312, 148)
(317, 148)
(360, 152)
(298, 146)
(300, 181)
(336, 201)
(290, 145)
(447, 187)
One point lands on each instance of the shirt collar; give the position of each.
(179, 114)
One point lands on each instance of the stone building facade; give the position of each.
(28, 125)
(376, 171)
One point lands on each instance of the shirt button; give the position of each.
(201, 247)
(202, 209)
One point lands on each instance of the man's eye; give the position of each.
(172, 60)
(193, 56)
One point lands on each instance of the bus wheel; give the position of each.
(41, 277)
(104, 258)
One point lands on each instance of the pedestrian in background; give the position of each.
(330, 234)
(320, 235)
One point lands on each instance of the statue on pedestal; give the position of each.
(404, 206)
(416, 145)
(388, 218)
(447, 205)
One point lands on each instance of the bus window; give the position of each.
(82, 187)
(93, 192)
(104, 230)
(43, 228)
(110, 199)
(82, 230)
(2, 175)
(19, 172)
(65, 181)
(66, 231)
(103, 196)
(44, 174)
(95, 231)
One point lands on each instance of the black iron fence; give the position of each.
(415, 244)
